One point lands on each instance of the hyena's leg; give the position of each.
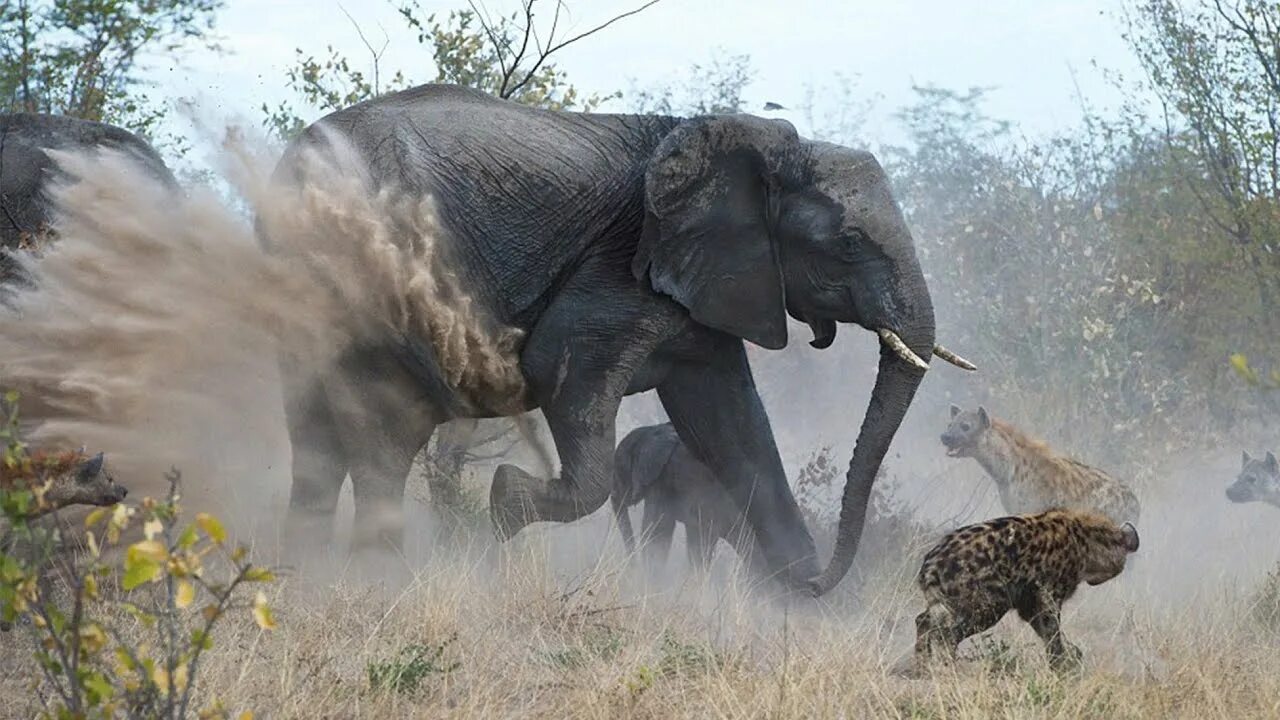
(936, 634)
(319, 464)
(1044, 615)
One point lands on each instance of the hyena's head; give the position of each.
(86, 483)
(1258, 481)
(965, 431)
(1107, 548)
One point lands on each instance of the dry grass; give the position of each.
(507, 634)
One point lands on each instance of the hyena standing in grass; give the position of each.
(1028, 563)
(1258, 481)
(1029, 475)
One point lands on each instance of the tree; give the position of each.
(82, 57)
(712, 88)
(507, 56)
(1214, 66)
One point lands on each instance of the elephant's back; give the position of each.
(523, 193)
(25, 167)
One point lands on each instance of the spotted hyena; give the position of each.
(63, 479)
(1028, 563)
(58, 480)
(1029, 475)
(1258, 481)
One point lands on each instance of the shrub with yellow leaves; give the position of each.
(174, 585)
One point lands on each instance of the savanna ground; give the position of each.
(561, 624)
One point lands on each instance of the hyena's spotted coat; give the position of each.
(1030, 476)
(1028, 563)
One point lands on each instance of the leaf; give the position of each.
(188, 537)
(139, 572)
(160, 677)
(152, 528)
(142, 563)
(262, 613)
(185, 595)
(92, 638)
(95, 517)
(125, 662)
(258, 574)
(211, 527)
(201, 639)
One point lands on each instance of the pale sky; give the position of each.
(1025, 49)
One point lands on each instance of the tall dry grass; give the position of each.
(518, 632)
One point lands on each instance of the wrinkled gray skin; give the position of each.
(652, 466)
(1258, 481)
(636, 252)
(25, 170)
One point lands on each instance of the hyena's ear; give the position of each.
(955, 410)
(983, 418)
(91, 468)
(1272, 465)
(1129, 533)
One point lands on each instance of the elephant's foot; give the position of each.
(307, 533)
(512, 503)
(378, 527)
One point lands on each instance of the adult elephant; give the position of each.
(26, 169)
(635, 252)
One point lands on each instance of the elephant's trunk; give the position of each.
(896, 383)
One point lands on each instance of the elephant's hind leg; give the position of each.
(384, 420)
(319, 468)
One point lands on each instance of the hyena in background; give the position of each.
(1258, 481)
(1029, 563)
(1029, 475)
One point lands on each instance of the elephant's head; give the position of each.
(745, 222)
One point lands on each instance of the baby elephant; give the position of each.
(1028, 563)
(1258, 481)
(652, 465)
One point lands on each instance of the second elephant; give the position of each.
(653, 466)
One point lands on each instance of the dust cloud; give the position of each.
(156, 319)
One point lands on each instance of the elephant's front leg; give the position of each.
(579, 361)
(713, 403)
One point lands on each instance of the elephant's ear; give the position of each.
(711, 203)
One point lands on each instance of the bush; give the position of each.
(83, 624)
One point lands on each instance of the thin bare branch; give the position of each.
(375, 54)
(553, 49)
(487, 26)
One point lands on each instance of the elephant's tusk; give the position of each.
(900, 348)
(953, 358)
